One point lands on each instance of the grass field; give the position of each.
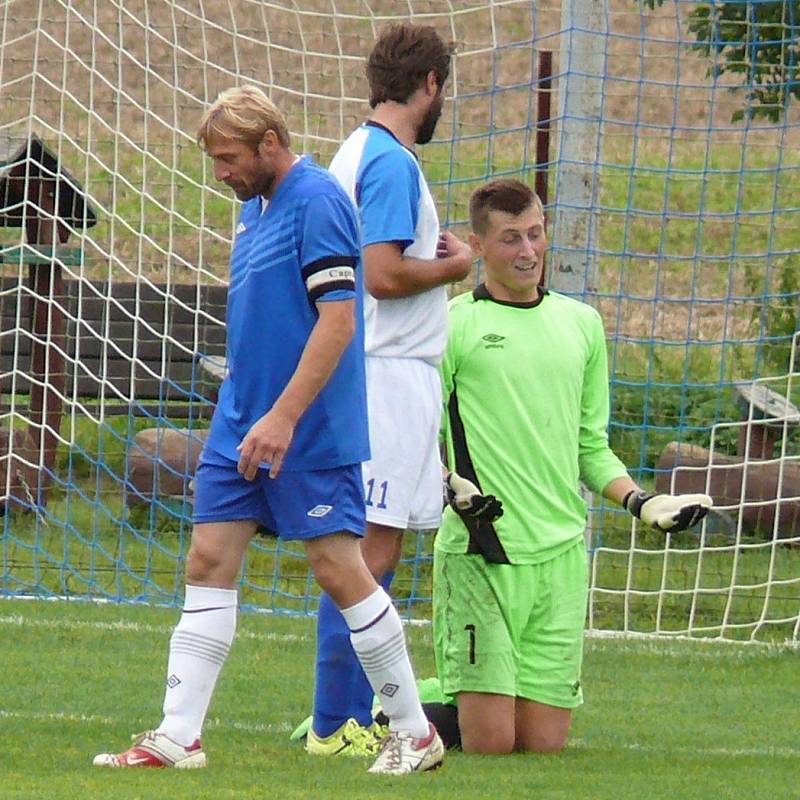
(696, 223)
(661, 720)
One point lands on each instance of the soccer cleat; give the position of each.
(430, 691)
(351, 739)
(154, 749)
(379, 731)
(401, 753)
(301, 731)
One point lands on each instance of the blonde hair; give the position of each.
(244, 113)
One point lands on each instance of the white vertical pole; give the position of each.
(573, 230)
(581, 78)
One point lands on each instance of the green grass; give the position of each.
(720, 590)
(97, 546)
(89, 542)
(661, 719)
(102, 549)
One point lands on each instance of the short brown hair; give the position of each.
(401, 59)
(503, 194)
(244, 113)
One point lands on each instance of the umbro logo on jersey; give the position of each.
(319, 511)
(493, 340)
(240, 228)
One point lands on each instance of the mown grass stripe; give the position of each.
(285, 727)
(124, 626)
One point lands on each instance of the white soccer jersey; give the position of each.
(385, 182)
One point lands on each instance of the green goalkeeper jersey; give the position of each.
(526, 415)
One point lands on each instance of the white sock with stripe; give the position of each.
(380, 644)
(197, 650)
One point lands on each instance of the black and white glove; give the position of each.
(668, 512)
(466, 500)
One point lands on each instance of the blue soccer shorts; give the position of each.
(295, 505)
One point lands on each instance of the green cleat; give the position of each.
(301, 730)
(430, 691)
(351, 739)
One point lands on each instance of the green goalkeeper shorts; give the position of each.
(511, 629)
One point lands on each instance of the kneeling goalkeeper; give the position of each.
(526, 392)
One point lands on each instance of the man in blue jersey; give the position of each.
(407, 266)
(288, 436)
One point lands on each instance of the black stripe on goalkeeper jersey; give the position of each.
(483, 537)
(329, 274)
(482, 293)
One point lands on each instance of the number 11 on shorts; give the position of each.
(382, 488)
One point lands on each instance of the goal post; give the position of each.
(680, 210)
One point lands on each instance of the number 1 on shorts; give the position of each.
(470, 629)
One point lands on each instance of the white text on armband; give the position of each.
(338, 275)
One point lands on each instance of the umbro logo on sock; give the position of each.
(319, 511)
(389, 689)
(173, 681)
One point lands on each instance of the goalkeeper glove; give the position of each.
(466, 500)
(667, 512)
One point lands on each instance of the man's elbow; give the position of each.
(345, 329)
(348, 330)
(381, 288)
(336, 325)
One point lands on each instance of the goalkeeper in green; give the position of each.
(526, 396)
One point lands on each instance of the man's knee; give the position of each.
(202, 564)
(486, 722)
(331, 575)
(216, 552)
(339, 568)
(501, 742)
(206, 567)
(487, 742)
(382, 548)
(542, 742)
(541, 728)
(331, 554)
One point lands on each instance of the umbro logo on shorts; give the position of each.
(319, 511)
(240, 228)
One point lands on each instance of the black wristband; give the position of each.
(634, 501)
(626, 498)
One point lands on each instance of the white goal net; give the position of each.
(668, 210)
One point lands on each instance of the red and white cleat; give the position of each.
(153, 749)
(402, 754)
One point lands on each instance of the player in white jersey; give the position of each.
(407, 265)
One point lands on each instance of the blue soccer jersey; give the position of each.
(384, 180)
(300, 248)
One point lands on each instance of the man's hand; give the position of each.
(450, 246)
(268, 440)
(465, 499)
(667, 512)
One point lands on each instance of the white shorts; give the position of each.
(403, 480)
